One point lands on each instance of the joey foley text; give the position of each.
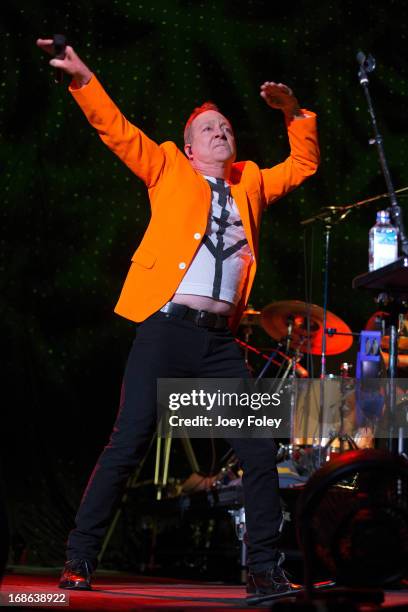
(220, 400)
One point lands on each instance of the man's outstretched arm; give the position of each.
(141, 154)
(304, 148)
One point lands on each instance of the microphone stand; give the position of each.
(328, 216)
(367, 64)
(328, 226)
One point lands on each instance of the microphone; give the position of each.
(367, 62)
(60, 43)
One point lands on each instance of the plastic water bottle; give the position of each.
(383, 242)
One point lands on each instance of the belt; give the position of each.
(202, 318)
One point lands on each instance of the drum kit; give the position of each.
(297, 329)
(295, 326)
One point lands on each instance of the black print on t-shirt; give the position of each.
(217, 250)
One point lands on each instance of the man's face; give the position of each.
(212, 139)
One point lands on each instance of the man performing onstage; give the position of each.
(187, 286)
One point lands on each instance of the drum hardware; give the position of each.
(402, 424)
(291, 364)
(238, 517)
(301, 372)
(341, 435)
(250, 317)
(392, 374)
(293, 357)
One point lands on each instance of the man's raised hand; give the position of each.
(278, 95)
(71, 64)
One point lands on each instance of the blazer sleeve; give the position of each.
(302, 162)
(142, 155)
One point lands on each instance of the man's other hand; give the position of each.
(278, 95)
(71, 63)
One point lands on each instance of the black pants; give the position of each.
(166, 347)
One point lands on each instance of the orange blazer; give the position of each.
(180, 200)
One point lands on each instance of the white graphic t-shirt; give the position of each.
(220, 266)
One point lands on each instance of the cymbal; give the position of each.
(274, 320)
(250, 317)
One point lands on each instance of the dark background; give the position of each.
(72, 215)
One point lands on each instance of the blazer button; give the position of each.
(182, 265)
(197, 236)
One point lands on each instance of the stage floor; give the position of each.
(116, 592)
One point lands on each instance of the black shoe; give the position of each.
(76, 575)
(272, 581)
